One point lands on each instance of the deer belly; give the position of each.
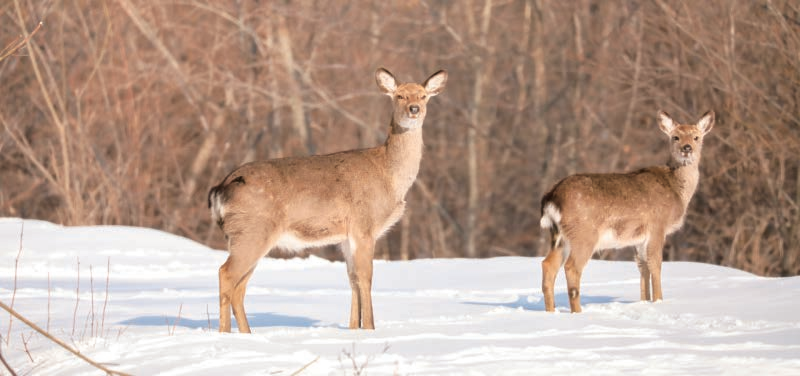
(292, 242)
(610, 239)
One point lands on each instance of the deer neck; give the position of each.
(403, 156)
(686, 177)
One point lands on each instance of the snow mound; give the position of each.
(159, 314)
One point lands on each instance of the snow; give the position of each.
(438, 316)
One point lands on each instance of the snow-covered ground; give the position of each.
(446, 316)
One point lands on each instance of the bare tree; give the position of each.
(126, 112)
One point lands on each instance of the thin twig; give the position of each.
(208, 316)
(14, 291)
(105, 301)
(3, 360)
(121, 332)
(66, 186)
(152, 36)
(77, 298)
(18, 43)
(58, 341)
(356, 370)
(48, 301)
(25, 345)
(359, 370)
(177, 319)
(295, 373)
(91, 288)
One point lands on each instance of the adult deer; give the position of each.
(586, 213)
(349, 198)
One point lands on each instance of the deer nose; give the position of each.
(414, 109)
(687, 148)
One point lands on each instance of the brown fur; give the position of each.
(590, 212)
(349, 198)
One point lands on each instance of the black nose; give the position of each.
(414, 109)
(687, 148)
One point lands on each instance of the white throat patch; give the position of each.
(410, 123)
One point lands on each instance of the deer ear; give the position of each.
(665, 122)
(435, 83)
(706, 122)
(386, 81)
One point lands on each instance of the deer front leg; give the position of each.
(349, 250)
(644, 272)
(355, 300)
(358, 255)
(654, 256)
(363, 261)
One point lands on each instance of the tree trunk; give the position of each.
(473, 199)
(295, 96)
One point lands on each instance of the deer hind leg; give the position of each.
(225, 289)
(573, 268)
(245, 251)
(550, 266)
(644, 272)
(237, 303)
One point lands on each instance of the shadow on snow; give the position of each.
(255, 320)
(562, 300)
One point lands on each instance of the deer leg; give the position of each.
(573, 285)
(237, 303)
(349, 251)
(225, 289)
(573, 268)
(355, 301)
(550, 266)
(644, 273)
(363, 271)
(245, 251)
(654, 256)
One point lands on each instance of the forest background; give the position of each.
(125, 112)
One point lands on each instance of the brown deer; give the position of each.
(586, 213)
(349, 198)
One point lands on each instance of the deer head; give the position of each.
(686, 141)
(410, 99)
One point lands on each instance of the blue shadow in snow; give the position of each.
(562, 300)
(255, 320)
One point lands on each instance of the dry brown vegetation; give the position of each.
(126, 111)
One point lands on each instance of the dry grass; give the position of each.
(124, 112)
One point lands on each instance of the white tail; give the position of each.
(590, 212)
(349, 198)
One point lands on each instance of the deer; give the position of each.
(586, 213)
(350, 198)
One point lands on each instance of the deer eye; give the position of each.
(400, 97)
(424, 96)
(696, 138)
(675, 138)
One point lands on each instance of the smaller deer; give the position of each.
(586, 213)
(349, 198)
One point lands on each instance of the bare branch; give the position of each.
(59, 342)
